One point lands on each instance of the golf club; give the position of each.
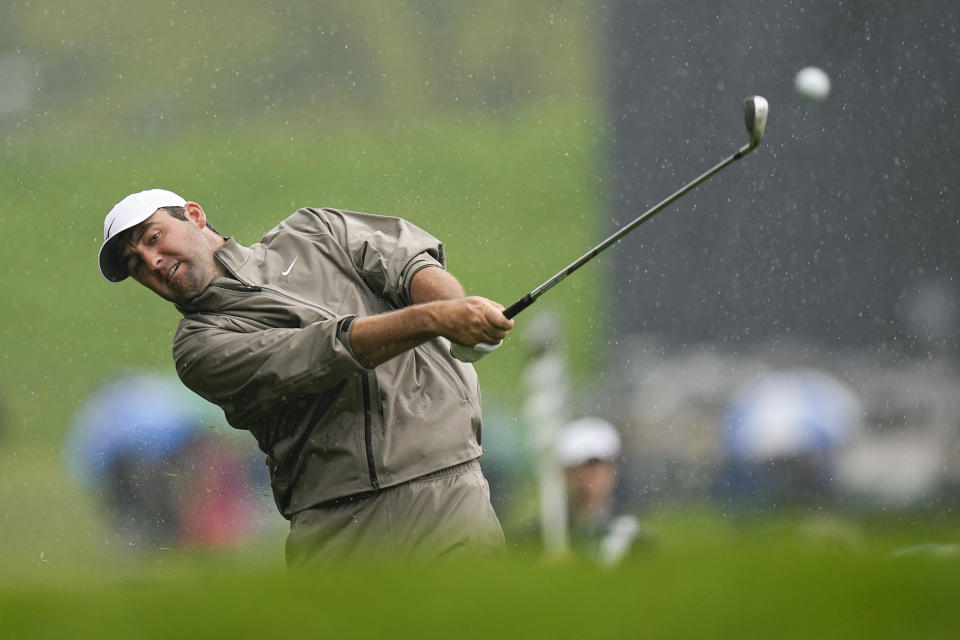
(755, 109)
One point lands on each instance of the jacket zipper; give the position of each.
(365, 381)
(367, 408)
(368, 433)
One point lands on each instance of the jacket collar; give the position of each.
(233, 256)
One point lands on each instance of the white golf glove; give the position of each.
(471, 354)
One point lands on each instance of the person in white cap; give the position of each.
(589, 451)
(329, 340)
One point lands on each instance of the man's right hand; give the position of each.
(470, 320)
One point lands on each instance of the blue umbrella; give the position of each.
(145, 415)
(791, 413)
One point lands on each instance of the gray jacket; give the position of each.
(264, 346)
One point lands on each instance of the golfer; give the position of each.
(328, 340)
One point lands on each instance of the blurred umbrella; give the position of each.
(144, 415)
(791, 413)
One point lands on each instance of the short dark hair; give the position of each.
(180, 214)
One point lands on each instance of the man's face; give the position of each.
(590, 486)
(172, 257)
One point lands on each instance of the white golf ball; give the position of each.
(812, 83)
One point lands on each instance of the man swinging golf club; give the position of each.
(329, 340)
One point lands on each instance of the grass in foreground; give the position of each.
(702, 575)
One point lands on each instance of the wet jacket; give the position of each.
(267, 345)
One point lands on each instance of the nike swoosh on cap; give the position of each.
(112, 222)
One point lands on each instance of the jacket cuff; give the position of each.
(343, 335)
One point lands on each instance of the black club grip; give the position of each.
(519, 306)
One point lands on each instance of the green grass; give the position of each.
(701, 575)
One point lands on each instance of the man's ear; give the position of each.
(195, 214)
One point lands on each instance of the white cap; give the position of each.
(130, 212)
(587, 439)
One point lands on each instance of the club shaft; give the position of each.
(531, 297)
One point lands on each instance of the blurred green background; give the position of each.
(481, 122)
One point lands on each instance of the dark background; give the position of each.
(841, 228)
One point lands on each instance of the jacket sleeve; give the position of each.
(249, 373)
(386, 251)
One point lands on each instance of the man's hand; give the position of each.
(468, 321)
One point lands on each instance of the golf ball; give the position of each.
(812, 83)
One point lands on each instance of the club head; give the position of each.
(755, 109)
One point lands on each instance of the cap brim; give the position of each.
(111, 267)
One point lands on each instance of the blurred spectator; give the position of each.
(589, 450)
(165, 475)
(783, 434)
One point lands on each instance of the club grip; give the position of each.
(519, 306)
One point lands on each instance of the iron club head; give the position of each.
(755, 109)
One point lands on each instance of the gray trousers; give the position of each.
(440, 515)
